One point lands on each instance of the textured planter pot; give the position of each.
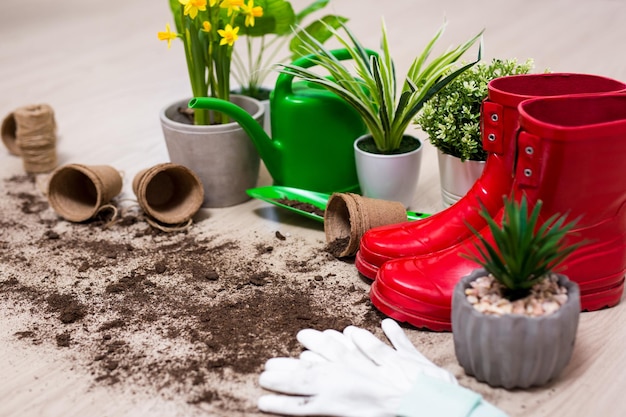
(388, 177)
(513, 351)
(456, 176)
(223, 156)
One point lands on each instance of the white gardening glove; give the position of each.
(403, 359)
(355, 374)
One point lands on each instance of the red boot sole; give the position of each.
(366, 269)
(404, 315)
(590, 301)
(602, 298)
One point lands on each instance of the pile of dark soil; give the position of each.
(189, 316)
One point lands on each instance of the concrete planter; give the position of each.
(513, 351)
(223, 156)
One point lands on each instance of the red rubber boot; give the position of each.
(499, 124)
(571, 153)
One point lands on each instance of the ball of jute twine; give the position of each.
(8, 134)
(35, 137)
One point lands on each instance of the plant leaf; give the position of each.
(318, 30)
(278, 18)
(311, 8)
(175, 7)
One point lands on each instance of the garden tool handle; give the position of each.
(284, 81)
(414, 215)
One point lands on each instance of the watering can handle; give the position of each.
(284, 81)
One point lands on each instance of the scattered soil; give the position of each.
(189, 316)
(309, 208)
(337, 246)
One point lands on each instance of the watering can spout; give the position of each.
(268, 149)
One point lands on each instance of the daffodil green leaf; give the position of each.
(311, 8)
(278, 19)
(177, 13)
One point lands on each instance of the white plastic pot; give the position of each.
(388, 177)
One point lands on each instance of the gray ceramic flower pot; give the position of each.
(513, 351)
(223, 156)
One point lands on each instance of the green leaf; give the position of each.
(311, 8)
(176, 7)
(382, 113)
(319, 30)
(349, 90)
(439, 85)
(278, 18)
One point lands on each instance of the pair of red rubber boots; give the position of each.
(559, 138)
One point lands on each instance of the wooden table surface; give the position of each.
(101, 67)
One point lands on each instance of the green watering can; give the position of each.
(314, 132)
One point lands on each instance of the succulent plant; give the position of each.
(524, 250)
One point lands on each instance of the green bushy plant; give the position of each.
(451, 119)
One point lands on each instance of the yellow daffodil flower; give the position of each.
(192, 7)
(206, 26)
(251, 12)
(229, 35)
(167, 35)
(231, 5)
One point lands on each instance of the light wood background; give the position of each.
(100, 66)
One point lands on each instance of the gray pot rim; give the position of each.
(226, 127)
(573, 296)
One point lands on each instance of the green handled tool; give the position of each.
(281, 196)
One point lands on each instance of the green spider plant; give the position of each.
(373, 91)
(523, 250)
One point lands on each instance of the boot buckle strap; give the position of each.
(528, 169)
(492, 127)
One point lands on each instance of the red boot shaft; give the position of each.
(585, 140)
(499, 123)
(571, 154)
